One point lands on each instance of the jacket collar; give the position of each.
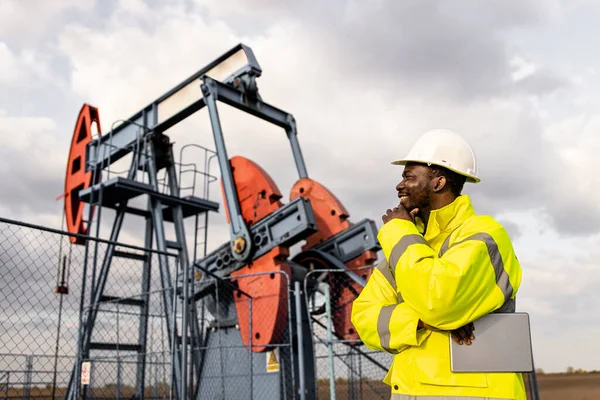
(447, 218)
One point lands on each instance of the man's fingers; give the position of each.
(471, 330)
(456, 336)
(468, 335)
(386, 217)
(457, 339)
(463, 335)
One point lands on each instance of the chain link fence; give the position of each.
(46, 286)
(40, 295)
(44, 295)
(248, 351)
(41, 288)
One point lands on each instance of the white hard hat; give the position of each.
(445, 148)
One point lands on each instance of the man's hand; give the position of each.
(461, 335)
(399, 212)
(464, 334)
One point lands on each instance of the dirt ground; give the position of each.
(578, 386)
(581, 386)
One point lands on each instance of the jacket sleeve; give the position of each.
(382, 322)
(468, 281)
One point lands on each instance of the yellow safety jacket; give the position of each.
(462, 268)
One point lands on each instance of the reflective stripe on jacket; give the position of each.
(461, 269)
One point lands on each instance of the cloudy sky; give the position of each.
(364, 80)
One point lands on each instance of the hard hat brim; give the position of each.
(470, 178)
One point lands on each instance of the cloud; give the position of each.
(573, 198)
(363, 82)
(409, 47)
(29, 20)
(513, 229)
(476, 84)
(31, 173)
(559, 292)
(23, 69)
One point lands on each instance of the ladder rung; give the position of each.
(121, 300)
(173, 245)
(133, 256)
(115, 346)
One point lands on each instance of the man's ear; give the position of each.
(439, 183)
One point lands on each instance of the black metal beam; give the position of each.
(236, 98)
(288, 225)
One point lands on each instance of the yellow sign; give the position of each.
(273, 360)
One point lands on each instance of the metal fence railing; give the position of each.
(39, 319)
(247, 354)
(346, 369)
(45, 288)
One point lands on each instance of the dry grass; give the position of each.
(580, 386)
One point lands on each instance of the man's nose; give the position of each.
(400, 186)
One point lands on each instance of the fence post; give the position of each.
(329, 342)
(251, 355)
(6, 386)
(300, 339)
(26, 392)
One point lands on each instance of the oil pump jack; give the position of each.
(255, 262)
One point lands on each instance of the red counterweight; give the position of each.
(332, 218)
(76, 177)
(259, 196)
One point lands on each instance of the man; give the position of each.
(444, 268)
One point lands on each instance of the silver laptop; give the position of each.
(502, 344)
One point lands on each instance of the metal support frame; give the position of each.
(300, 341)
(237, 226)
(143, 328)
(167, 293)
(329, 340)
(97, 289)
(213, 91)
(237, 90)
(155, 223)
